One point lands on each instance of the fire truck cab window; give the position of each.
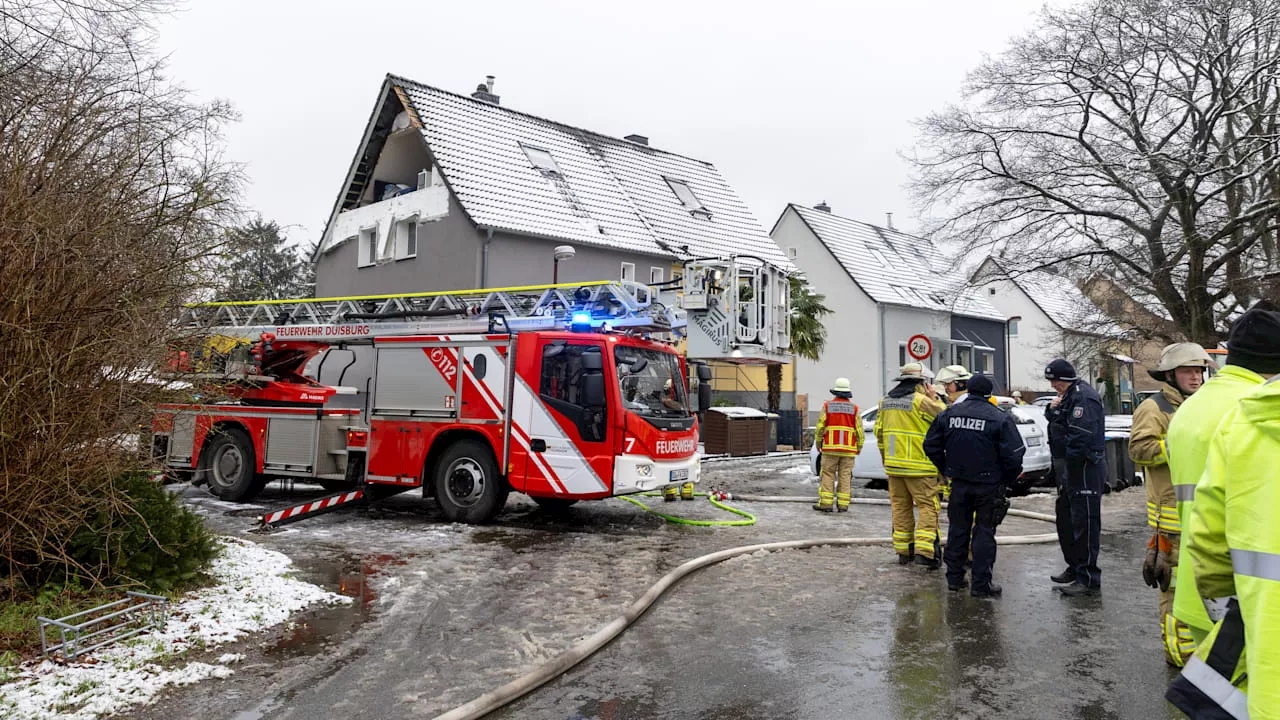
(651, 382)
(568, 372)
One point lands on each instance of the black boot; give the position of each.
(1066, 577)
(1075, 589)
(904, 559)
(957, 586)
(992, 590)
(929, 563)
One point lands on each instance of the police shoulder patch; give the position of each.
(1078, 412)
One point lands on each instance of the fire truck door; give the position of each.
(567, 419)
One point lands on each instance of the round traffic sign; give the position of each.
(919, 347)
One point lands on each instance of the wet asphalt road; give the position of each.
(444, 613)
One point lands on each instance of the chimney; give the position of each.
(888, 220)
(484, 91)
(637, 139)
(822, 207)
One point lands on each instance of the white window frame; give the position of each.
(367, 242)
(793, 252)
(628, 269)
(1013, 328)
(403, 228)
(656, 275)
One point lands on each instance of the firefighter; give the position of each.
(904, 417)
(979, 448)
(840, 439)
(955, 379)
(1017, 397)
(1193, 426)
(1234, 542)
(1077, 443)
(1181, 369)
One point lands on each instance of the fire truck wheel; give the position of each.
(468, 487)
(554, 505)
(230, 466)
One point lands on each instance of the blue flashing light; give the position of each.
(581, 322)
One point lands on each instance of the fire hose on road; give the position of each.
(565, 661)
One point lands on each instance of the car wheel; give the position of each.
(467, 483)
(230, 466)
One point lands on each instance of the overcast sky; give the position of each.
(796, 101)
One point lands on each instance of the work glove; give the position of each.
(944, 488)
(1156, 569)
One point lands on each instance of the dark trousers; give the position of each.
(1078, 511)
(971, 504)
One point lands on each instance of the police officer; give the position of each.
(1077, 442)
(979, 448)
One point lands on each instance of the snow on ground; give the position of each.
(798, 470)
(252, 592)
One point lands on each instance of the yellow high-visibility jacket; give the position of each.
(1187, 442)
(1234, 541)
(1147, 448)
(900, 428)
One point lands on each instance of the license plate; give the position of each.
(1033, 442)
(679, 475)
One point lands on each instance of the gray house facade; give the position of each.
(450, 192)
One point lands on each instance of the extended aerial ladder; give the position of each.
(734, 310)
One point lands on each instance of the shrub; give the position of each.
(156, 542)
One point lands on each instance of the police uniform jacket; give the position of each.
(1077, 427)
(975, 442)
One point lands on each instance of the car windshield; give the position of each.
(651, 383)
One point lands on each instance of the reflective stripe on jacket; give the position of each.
(1187, 442)
(840, 428)
(1148, 450)
(901, 424)
(1235, 539)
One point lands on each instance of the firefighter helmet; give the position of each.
(842, 385)
(953, 373)
(913, 371)
(1178, 355)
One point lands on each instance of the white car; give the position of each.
(1037, 464)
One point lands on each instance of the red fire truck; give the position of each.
(560, 392)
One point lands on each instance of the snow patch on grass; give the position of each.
(252, 592)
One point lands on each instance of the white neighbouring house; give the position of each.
(1050, 317)
(883, 287)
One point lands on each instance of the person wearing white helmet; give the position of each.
(955, 379)
(840, 439)
(1182, 367)
(904, 417)
(1017, 397)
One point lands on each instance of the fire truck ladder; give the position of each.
(619, 305)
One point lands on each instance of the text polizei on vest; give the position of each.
(964, 423)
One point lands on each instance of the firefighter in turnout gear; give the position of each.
(1181, 368)
(1077, 443)
(904, 417)
(1193, 427)
(1233, 542)
(840, 436)
(978, 446)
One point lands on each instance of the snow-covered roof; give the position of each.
(1058, 297)
(600, 190)
(894, 267)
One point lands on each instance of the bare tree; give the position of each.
(1138, 138)
(113, 199)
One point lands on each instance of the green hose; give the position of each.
(750, 519)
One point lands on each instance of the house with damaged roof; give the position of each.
(885, 287)
(449, 192)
